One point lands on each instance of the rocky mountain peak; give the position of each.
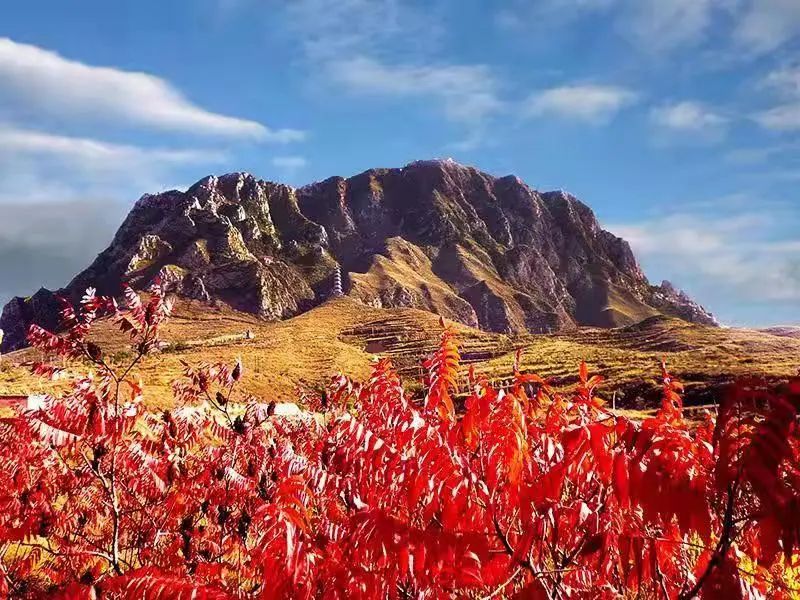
(668, 298)
(436, 235)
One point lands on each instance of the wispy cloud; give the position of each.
(655, 26)
(784, 80)
(36, 79)
(289, 166)
(785, 84)
(758, 155)
(392, 49)
(660, 26)
(589, 103)
(689, 120)
(466, 93)
(289, 162)
(38, 167)
(785, 117)
(330, 29)
(747, 27)
(62, 198)
(518, 14)
(765, 25)
(45, 242)
(95, 155)
(744, 255)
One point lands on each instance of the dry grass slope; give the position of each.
(346, 336)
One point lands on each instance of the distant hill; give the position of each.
(487, 252)
(792, 331)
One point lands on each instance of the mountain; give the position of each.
(435, 235)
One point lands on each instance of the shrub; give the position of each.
(375, 493)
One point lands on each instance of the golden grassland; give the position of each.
(345, 336)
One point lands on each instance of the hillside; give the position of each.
(487, 252)
(342, 335)
(785, 331)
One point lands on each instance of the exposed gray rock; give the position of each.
(672, 301)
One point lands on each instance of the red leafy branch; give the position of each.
(377, 493)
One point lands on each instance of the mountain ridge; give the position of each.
(488, 252)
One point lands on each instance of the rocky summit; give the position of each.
(487, 252)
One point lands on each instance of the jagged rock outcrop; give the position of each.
(674, 302)
(18, 314)
(489, 252)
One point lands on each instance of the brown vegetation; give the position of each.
(342, 335)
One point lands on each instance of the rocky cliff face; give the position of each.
(436, 235)
(674, 302)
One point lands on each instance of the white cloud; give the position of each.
(389, 48)
(660, 26)
(766, 25)
(289, 165)
(738, 255)
(467, 93)
(38, 167)
(780, 118)
(334, 29)
(589, 103)
(746, 28)
(474, 139)
(45, 242)
(289, 162)
(749, 27)
(652, 25)
(689, 118)
(33, 78)
(785, 82)
(62, 197)
(91, 154)
(667, 24)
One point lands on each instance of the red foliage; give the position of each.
(527, 493)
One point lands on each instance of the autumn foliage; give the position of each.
(517, 492)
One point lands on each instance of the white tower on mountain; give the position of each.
(336, 292)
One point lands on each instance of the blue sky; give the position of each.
(676, 120)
